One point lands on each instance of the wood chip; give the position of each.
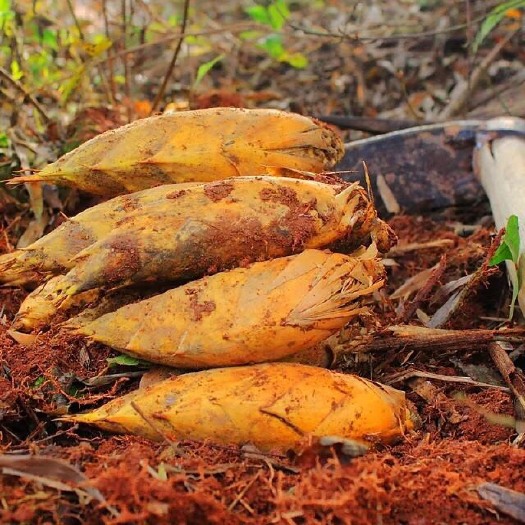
(505, 500)
(390, 201)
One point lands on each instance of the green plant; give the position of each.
(39, 381)
(275, 16)
(496, 15)
(126, 360)
(7, 14)
(4, 140)
(509, 250)
(205, 68)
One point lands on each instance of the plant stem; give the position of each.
(169, 71)
(6, 76)
(127, 74)
(111, 74)
(75, 19)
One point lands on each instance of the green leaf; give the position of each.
(512, 237)
(49, 39)
(494, 18)
(173, 21)
(70, 146)
(273, 45)
(503, 253)
(205, 68)
(69, 85)
(6, 11)
(278, 13)
(296, 60)
(4, 140)
(39, 382)
(249, 35)
(16, 72)
(73, 391)
(509, 249)
(125, 360)
(259, 13)
(7, 16)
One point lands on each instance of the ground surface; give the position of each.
(429, 478)
(467, 431)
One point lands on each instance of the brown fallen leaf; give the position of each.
(51, 472)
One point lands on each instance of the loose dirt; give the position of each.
(431, 477)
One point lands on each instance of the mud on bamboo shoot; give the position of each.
(53, 254)
(208, 228)
(264, 312)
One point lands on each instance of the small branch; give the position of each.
(498, 90)
(6, 76)
(454, 303)
(431, 340)
(409, 309)
(169, 71)
(112, 91)
(75, 19)
(241, 494)
(408, 374)
(469, 36)
(512, 376)
(106, 85)
(127, 76)
(369, 124)
(234, 28)
(457, 105)
(391, 38)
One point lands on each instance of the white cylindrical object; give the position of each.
(500, 165)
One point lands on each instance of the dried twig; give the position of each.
(402, 249)
(369, 124)
(413, 284)
(358, 37)
(455, 302)
(234, 28)
(496, 92)
(271, 462)
(513, 376)
(127, 73)
(241, 494)
(458, 103)
(6, 76)
(435, 397)
(433, 341)
(110, 51)
(407, 374)
(169, 71)
(75, 19)
(423, 293)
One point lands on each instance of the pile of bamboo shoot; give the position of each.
(227, 213)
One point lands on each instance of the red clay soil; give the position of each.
(429, 478)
